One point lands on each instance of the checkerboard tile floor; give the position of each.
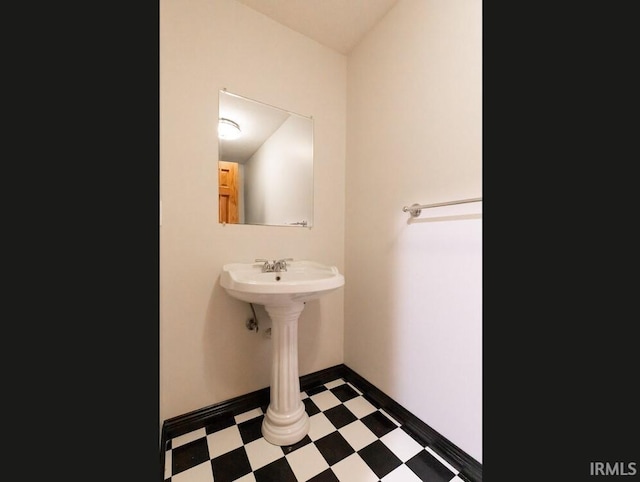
(350, 440)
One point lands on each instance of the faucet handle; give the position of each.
(267, 266)
(283, 263)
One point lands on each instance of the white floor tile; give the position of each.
(359, 407)
(188, 437)
(247, 478)
(243, 417)
(358, 435)
(354, 469)
(334, 383)
(401, 474)
(200, 473)
(401, 444)
(325, 400)
(223, 441)
(167, 464)
(307, 462)
(261, 453)
(319, 426)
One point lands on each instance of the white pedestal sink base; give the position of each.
(286, 421)
(283, 294)
(280, 430)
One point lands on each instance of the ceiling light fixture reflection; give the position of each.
(227, 129)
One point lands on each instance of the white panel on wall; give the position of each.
(413, 304)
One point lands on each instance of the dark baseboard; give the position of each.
(470, 469)
(323, 376)
(176, 426)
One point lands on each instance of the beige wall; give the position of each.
(413, 292)
(411, 317)
(206, 353)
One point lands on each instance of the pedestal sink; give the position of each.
(283, 294)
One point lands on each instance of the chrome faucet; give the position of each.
(277, 266)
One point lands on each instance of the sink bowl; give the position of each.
(283, 295)
(302, 281)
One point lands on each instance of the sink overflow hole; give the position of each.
(277, 278)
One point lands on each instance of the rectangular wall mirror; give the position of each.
(265, 164)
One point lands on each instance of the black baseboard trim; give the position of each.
(320, 377)
(470, 469)
(176, 426)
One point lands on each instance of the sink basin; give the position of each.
(283, 295)
(302, 281)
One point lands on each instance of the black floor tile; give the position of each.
(340, 416)
(287, 449)
(344, 392)
(334, 447)
(230, 466)
(220, 422)
(278, 471)
(378, 423)
(427, 467)
(379, 458)
(189, 455)
(326, 476)
(314, 390)
(251, 429)
(310, 407)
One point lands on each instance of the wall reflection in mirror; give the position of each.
(265, 164)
